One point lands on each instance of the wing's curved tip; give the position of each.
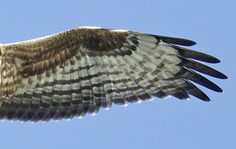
(223, 76)
(205, 98)
(190, 42)
(178, 41)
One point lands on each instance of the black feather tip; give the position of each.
(174, 40)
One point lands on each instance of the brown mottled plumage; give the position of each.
(80, 70)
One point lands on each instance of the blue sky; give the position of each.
(165, 124)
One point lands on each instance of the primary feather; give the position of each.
(80, 70)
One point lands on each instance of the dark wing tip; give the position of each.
(222, 76)
(212, 59)
(218, 89)
(199, 79)
(174, 40)
(202, 96)
(201, 68)
(188, 53)
(195, 91)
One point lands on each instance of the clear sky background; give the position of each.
(164, 124)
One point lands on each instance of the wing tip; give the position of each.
(213, 59)
(178, 41)
(196, 92)
(189, 53)
(222, 76)
(204, 98)
(218, 89)
(190, 42)
(199, 67)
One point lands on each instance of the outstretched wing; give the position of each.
(78, 71)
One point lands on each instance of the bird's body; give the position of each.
(80, 70)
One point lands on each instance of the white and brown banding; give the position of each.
(81, 70)
(1, 94)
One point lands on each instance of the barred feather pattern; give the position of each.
(81, 70)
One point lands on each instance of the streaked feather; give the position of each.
(81, 70)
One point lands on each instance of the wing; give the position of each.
(80, 70)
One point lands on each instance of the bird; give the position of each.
(83, 69)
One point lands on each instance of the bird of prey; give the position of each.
(80, 70)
